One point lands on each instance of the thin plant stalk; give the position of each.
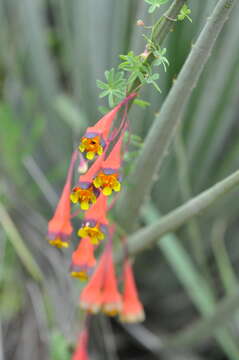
(161, 133)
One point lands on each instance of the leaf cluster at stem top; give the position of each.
(138, 68)
(114, 88)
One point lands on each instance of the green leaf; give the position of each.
(141, 103)
(184, 13)
(114, 88)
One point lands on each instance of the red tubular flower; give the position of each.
(111, 298)
(81, 352)
(85, 192)
(108, 178)
(83, 260)
(94, 140)
(132, 310)
(95, 222)
(91, 297)
(59, 227)
(101, 292)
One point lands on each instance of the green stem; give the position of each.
(195, 285)
(148, 235)
(162, 131)
(224, 265)
(206, 327)
(159, 32)
(186, 191)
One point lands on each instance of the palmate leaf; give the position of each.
(133, 63)
(151, 80)
(160, 58)
(102, 85)
(114, 88)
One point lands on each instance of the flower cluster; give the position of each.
(102, 143)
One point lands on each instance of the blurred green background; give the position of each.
(52, 52)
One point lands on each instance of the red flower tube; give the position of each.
(111, 298)
(83, 260)
(95, 221)
(132, 310)
(94, 140)
(108, 179)
(59, 227)
(81, 352)
(91, 297)
(85, 192)
(101, 292)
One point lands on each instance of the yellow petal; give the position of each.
(81, 147)
(64, 244)
(81, 232)
(117, 187)
(59, 243)
(90, 155)
(97, 182)
(100, 150)
(74, 198)
(84, 205)
(101, 236)
(80, 275)
(107, 191)
(94, 240)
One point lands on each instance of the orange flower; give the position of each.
(94, 140)
(132, 310)
(111, 298)
(101, 292)
(85, 192)
(91, 297)
(108, 179)
(59, 227)
(95, 222)
(81, 352)
(83, 260)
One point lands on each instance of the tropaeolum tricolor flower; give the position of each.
(101, 293)
(85, 193)
(83, 260)
(95, 138)
(59, 227)
(96, 182)
(132, 309)
(95, 223)
(108, 179)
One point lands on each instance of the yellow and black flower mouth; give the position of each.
(92, 145)
(59, 240)
(108, 181)
(85, 194)
(94, 233)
